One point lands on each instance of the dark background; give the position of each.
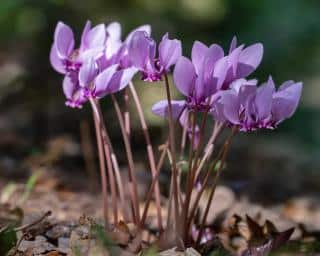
(284, 162)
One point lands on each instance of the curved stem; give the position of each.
(173, 152)
(216, 178)
(132, 176)
(150, 152)
(154, 182)
(102, 165)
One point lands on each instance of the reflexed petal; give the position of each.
(112, 48)
(248, 88)
(240, 83)
(103, 79)
(114, 31)
(285, 85)
(233, 59)
(55, 61)
(184, 76)
(250, 58)
(263, 99)
(220, 71)
(198, 54)
(85, 32)
(231, 107)
(214, 53)
(88, 72)
(169, 51)
(213, 72)
(140, 49)
(91, 53)
(64, 40)
(285, 101)
(161, 108)
(68, 87)
(120, 80)
(96, 37)
(233, 44)
(143, 28)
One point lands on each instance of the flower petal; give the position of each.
(249, 59)
(96, 37)
(140, 49)
(231, 106)
(184, 76)
(143, 28)
(263, 99)
(285, 101)
(233, 44)
(85, 32)
(161, 108)
(55, 61)
(103, 79)
(114, 31)
(120, 80)
(220, 71)
(198, 54)
(64, 40)
(68, 87)
(87, 72)
(169, 52)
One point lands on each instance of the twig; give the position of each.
(16, 248)
(24, 227)
(149, 152)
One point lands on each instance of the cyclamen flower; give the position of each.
(208, 72)
(142, 53)
(116, 50)
(92, 84)
(250, 108)
(100, 66)
(242, 61)
(197, 80)
(65, 58)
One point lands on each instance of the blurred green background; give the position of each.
(32, 102)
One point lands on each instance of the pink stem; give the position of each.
(173, 152)
(132, 176)
(149, 152)
(102, 167)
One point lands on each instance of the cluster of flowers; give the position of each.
(212, 81)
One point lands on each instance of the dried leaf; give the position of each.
(281, 238)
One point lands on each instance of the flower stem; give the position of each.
(126, 114)
(102, 165)
(154, 182)
(132, 177)
(173, 152)
(215, 181)
(192, 171)
(150, 152)
(107, 146)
